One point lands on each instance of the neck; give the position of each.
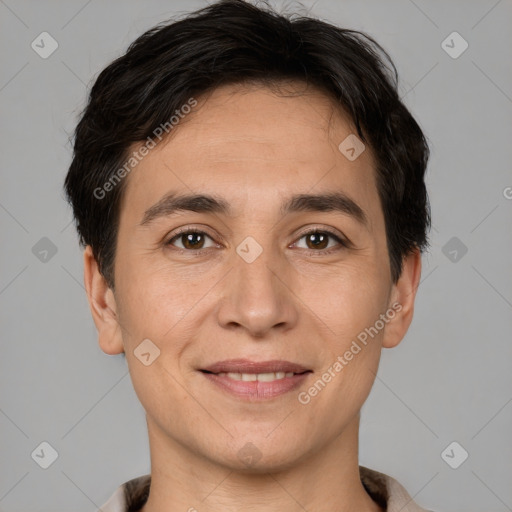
(182, 480)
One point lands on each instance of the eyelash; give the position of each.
(186, 231)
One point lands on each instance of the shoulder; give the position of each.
(388, 492)
(130, 496)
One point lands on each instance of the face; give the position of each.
(250, 281)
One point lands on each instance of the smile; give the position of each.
(260, 377)
(255, 381)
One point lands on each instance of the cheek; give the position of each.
(164, 309)
(153, 310)
(153, 302)
(346, 302)
(348, 306)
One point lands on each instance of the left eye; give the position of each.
(319, 240)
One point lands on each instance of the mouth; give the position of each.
(251, 377)
(248, 367)
(256, 381)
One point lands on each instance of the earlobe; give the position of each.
(402, 300)
(103, 306)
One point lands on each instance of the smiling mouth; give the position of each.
(256, 381)
(249, 367)
(260, 377)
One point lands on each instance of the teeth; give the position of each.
(267, 377)
(262, 377)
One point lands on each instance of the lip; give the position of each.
(255, 391)
(248, 366)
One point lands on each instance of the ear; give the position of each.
(103, 306)
(402, 297)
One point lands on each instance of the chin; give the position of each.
(260, 455)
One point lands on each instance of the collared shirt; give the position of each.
(384, 490)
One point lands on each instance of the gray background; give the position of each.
(449, 380)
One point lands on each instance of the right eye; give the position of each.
(191, 240)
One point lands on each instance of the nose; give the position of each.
(258, 297)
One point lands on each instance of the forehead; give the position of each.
(249, 142)
(236, 118)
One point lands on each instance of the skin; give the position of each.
(254, 148)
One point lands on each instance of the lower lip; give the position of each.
(255, 390)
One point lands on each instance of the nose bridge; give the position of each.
(256, 298)
(256, 283)
(254, 271)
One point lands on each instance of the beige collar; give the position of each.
(384, 490)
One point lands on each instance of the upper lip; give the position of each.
(248, 366)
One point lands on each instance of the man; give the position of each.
(250, 193)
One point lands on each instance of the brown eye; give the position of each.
(190, 240)
(319, 241)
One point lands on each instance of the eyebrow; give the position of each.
(206, 203)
